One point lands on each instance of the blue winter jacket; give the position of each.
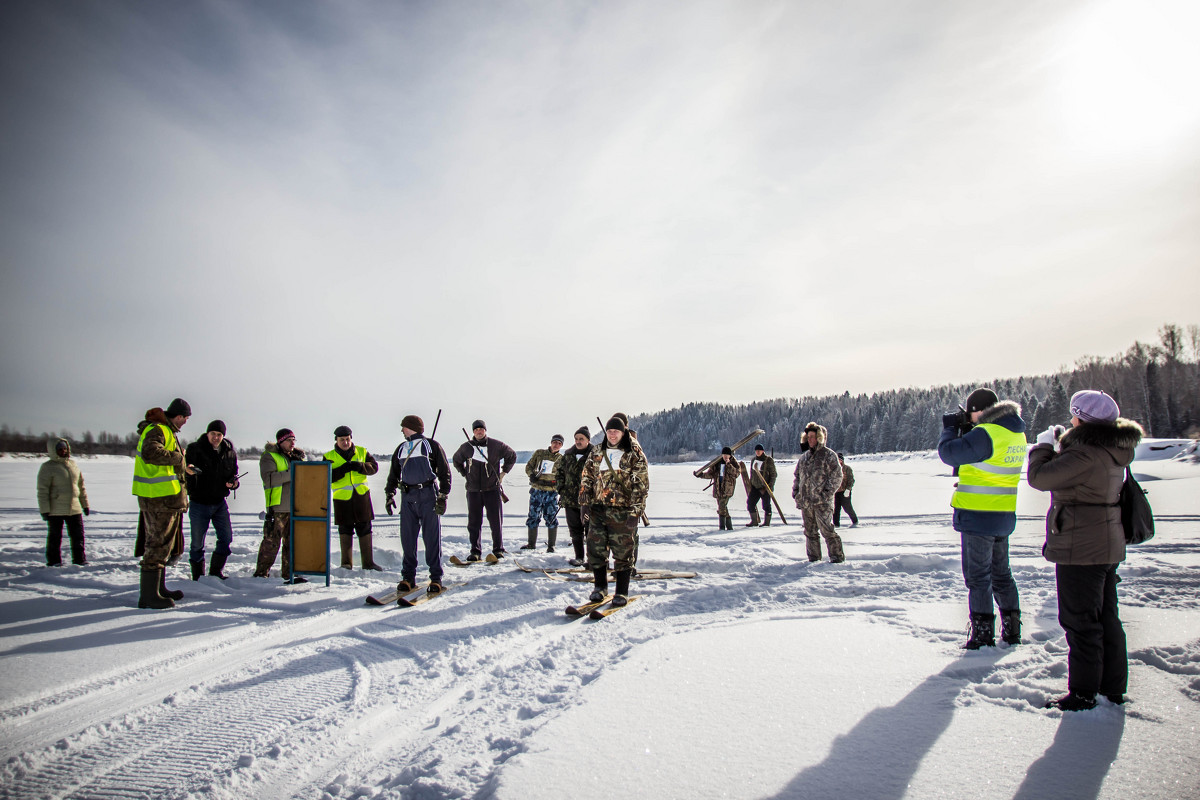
(972, 448)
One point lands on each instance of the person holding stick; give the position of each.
(484, 462)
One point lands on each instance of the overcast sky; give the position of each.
(309, 214)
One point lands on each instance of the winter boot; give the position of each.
(577, 546)
(601, 579)
(836, 554)
(721, 522)
(983, 631)
(812, 546)
(1075, 701)
(753, 523)
(346, 540)
(728, 522)
(767, 519)
(366, 553)
(435, 587)
(216, 567)
(150, 597)
(622, 592)
(174, 594)
(551, 538)
(1010, 626)
(197, 569)
(405, 586)
(532, 539)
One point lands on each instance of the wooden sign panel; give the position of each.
(310, 517)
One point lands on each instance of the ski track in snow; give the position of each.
(292, 694)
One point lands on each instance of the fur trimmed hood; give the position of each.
(822, 433)
(1124, 434)
(1002, 409)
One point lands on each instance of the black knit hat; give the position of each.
(725, 451)
(216, 425)
(558, 437)
(758, 447)
(623, 417)
(179, 408)
(283, 433)
(478, 424)
(586, 431)
(413, 423)
(343, 430)
(981, 399)
(615, 424)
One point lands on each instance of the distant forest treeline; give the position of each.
(1156, 384)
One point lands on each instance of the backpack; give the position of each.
(1136, 516)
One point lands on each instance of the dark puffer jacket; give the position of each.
(218, 466)
(1083, 525)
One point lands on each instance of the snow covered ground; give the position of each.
(765, 677)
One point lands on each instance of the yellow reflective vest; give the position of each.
(275, 493)
(991, 485)
(352, 482)
(153, 480)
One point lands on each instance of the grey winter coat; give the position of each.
(818, 474)
(60, 489)
(1083, 525)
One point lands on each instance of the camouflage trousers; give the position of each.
(276, 531)
(722, 506)
(543, 505)
(162, 527)
(818, 522)
(612, 530)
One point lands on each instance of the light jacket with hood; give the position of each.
(60, 484)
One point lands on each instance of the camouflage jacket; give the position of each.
(626, 485)
(568, 472)
(724, 482)
(818, 475)
(766, 471)
(847, 479)
(535, 469)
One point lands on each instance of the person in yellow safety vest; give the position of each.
(352, 511)
(158, 469)
(275, 468)
(986, 442)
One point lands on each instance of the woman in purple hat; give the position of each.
(1084, 468)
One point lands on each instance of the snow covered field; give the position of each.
(766, 677)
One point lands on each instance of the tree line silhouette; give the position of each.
(1156, 384)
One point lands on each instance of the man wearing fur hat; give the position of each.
(817, 478)
(543, 496)
(159, 468)
(568, 473)
(352, 511)
(275, 468)
(724, 477)
(422, 475)
(986, 442)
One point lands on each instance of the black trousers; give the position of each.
(842, 500)
(477, 503)
(758, 495)
(54, 539)
(1087, 610)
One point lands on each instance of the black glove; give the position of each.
(87, 512)
(357, 466)
(337, 473)
(950, 420)
(46, 517)
(390, 504)
(439, 505)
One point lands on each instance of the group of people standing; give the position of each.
(604, 488)
(820, 486)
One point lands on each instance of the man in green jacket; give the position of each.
(275, 468)
(158, 483)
